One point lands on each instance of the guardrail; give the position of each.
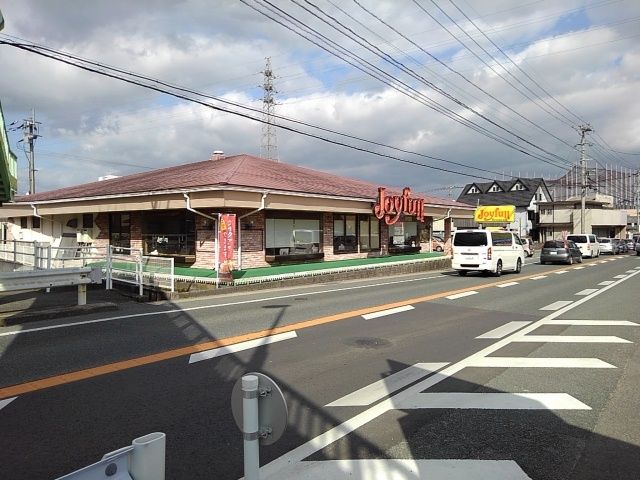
(61, 277)
(144, 459)
(128, 265)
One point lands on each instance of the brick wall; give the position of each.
(136, 230)
(101, 222)
(205, 242)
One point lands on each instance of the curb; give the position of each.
(51, 313)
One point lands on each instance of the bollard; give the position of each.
(250, 427)
(147, 458)
(82, 294)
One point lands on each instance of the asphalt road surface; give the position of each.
(433, 376)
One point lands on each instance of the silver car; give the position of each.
(607, 246)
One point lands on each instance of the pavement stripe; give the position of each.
(529, 362)
(461, 295)
(587, 291)
(494, 401)
(315, 444)
(619, 276)
(390, 311)
(504, 330)
(578, 268)
(238, 347)
(557, 305)
(6, 401)
(539, 277)
(630, 271)
(607, 282)
(403, 469)
(509, 284)
(383, 388)
(560, 272)
(611, 323)
(570, 339)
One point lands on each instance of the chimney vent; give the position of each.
(217, 155)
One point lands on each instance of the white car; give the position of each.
(527, 245)
(486, 251)
(588, 244)
(607, 246)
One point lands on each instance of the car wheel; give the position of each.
(462, 273)
(518, 266)
(438, 248)
(570, 261)
(498, 271)
(580, 259)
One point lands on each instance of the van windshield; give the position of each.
(470, 239)
(578, 238)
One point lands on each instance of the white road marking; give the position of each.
(494, 401)
(6, 401)
(461, 295)
(238, 347)
(510, 284)
(619, 276)
(560, 272)
(610, 323)
(578, 268)
(504, 330)
(529, 362)
(607, 282)
(383, 388)
(602, 261)
(173, 311)
(587, 291)
(591, 264)
(390, 311)
(570, 339)
(402, 469)
(630, 271)
(539, 277)
(334, 434)
(557, 305)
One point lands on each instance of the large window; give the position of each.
(293, 236)
(349, 231)
(170, 232)
(403, 236)
(120, 230)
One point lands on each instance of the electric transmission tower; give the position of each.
(269, 145)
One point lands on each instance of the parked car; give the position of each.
(621, 245)
(437, 244)
(588, 244)
(637, 248)
(527, 244)
(560, 251)
(631, 245)
(607, 245)
(486, 251)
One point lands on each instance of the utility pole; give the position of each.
(269, 146)
(29, 134)
(638, 201)
(583, 170)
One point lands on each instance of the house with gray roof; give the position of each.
(523, 193)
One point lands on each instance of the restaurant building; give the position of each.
(282, 213)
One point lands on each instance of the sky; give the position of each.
(430, 94)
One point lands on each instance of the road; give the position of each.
(419, 376)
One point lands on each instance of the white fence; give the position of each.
(128, 265)
(125, 265)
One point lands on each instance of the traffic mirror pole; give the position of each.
(250, 427)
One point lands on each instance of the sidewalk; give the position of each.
(30, 305)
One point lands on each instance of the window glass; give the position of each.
(470, 239)
(344, 234)
(35, 222)
(23, 222)
(120, 230)
(578, 238)
(87, 220)
(364, 234)
(292, 236)
(169, 232)
(375, 233)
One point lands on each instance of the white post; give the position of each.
(250, 427)
(140, 279)
(82, 294)
(109, 285)
(148, 457)
(173, 276)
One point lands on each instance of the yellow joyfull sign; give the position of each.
(495, 214)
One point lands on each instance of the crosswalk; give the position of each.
(410, 390)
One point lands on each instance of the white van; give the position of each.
(587, 243)
(486, 251)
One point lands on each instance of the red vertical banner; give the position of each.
(226, 241)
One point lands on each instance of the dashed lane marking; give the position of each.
(504, 330)
(619, 276)
(591, 323)
(528, 362)
(607, 282)
(389, 311)
(493, 401)
(509, 284)
(560, 272)
(587, 291)
(557, 305)
(383, 388)
(539, 277)
(570, 339)
(461, 295)
(238, 347)
(6, 401)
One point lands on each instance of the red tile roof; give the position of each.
(238, 171)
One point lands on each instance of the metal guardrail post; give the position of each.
(173, 275)
(147, 460)
(250, 427)
(139, 275)
(15, 252)
(82, 294)
(109, 268)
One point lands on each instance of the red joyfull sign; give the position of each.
(391, 207)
